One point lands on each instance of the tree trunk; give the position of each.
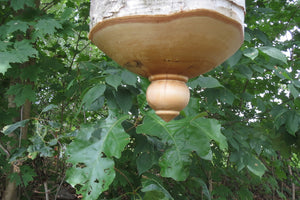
(11, 192)
(293, 184)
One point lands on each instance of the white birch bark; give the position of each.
(107, 9)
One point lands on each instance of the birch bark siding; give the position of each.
(107, 9)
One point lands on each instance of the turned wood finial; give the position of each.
(168, 95)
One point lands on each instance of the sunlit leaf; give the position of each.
(274, 53)
(49, 107)
(251, 53)
(91, 154)
(10, 128)
(256, 166)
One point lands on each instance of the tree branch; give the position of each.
(5, 150)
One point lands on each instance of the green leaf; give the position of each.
(146, 160)
(293, 122)
(192, 108)
(92, 95)
(147, 149)
(27, 176)
(262, 36)
(248, 37)
(97, 104)
(212, 129)
(208, 82)
(17, 154)
(91, 154)
(233, 60)
(182, 136)
(4, 65)
(245, 71)
(293, 91)
(226, 96)
(282, 73)
(30, 72)
(128, 77)
(23, 50)
(124, 99)
(274, 53)
(245, 194)
(202, 184)
(19, 4)
(296, 83)
(142, 102)
(258, 69)
(16, 25)
(251, 53)
(113, 80)
(175, 161)
(49, 107)
(12, 127)
(281, 195)
(154, 189)
(47, 26)
(256, 166)
(22, 92)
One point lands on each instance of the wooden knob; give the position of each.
(168, 95)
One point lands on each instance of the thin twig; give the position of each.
(5, 150)
(58, 189)
(125, 178)
(46, 190)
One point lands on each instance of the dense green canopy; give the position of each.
(71, 118)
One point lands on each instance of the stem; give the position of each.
(5, 150)
(125, 178)
(210, 182)
(293, 184)
(46, 190)
(58, 189)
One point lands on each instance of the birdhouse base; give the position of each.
(168, 95)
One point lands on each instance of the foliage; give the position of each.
(90, 127)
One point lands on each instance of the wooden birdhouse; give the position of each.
(168, 41)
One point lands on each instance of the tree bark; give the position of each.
(11, 191)
(293, 184)
(107, 9)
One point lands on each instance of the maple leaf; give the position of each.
(19, 4)
(47, 26)
(15, 25)
(21, 92)
(5, 59)
(23, 50)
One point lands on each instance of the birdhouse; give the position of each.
(168, 41)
